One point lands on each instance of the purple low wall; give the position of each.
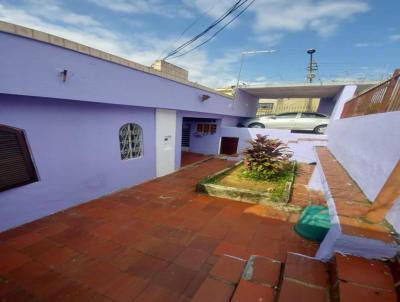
(75, 148)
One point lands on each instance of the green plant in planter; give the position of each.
(267, 159)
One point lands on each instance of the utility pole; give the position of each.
(311, 68)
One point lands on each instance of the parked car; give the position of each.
(312, 121)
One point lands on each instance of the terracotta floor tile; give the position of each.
(166, 251)
(56, 256)
(154, 293)
(105, 230)
(174, 277)
(307, 270)
(27, 273)
(207, 244)
(125, 259)
(147, 266)
(18, 295)
(181, 236)
(25, 240)
(48, 284)
(103, 249)
(192, 258)
(352, 293)
(160, 231)
(70, 293)
(250, 292)
(198, 280)
(292, 291)
(226, 248)
(52, 229)
(144, 243)
(10, 260)
(241, 238)
(263, 271)
(40, 247)
(127, 288)
(99, 276)
(228, 268)
(75, 265)
(362, 271)
(213, 290)
(214, 230)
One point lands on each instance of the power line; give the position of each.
(230, 11)
(216, 33)
(215, 23)
(189, 27)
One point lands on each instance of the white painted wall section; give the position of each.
(368, 147)
(165, 141)
(340, 99)
(301, 144)
(393, 216)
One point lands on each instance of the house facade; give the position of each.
(95, 123)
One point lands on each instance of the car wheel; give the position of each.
(320, 129)
(256, 125)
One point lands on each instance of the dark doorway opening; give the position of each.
(229, 145)
(186, 127)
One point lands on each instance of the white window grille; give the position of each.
(131, 141)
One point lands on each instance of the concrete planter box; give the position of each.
(250, 196)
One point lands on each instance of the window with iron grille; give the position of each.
(131, 141)
(16, 166)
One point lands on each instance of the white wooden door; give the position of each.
(165, 141)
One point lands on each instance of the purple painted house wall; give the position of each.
(72, 126)
(208, 144)
(75, 148)
(29, 67)
(326, 105)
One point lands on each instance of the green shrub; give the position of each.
(266, 159)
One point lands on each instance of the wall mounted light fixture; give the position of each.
(204, 97)
(64, 75)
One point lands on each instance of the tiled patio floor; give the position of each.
(188, 158)
(154, 242)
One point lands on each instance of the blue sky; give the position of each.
(355, 39)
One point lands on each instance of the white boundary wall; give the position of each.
(368, 147)
(302, 144)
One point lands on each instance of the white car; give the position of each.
(311, 121)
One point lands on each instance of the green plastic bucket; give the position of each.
(314, 223)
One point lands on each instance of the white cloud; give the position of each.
(52, 10)
(157, 7)
(277, 17)
(395, 37)
(360, 45)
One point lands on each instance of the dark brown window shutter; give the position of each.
(16, 166)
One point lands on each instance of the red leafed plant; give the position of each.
(266, 159)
